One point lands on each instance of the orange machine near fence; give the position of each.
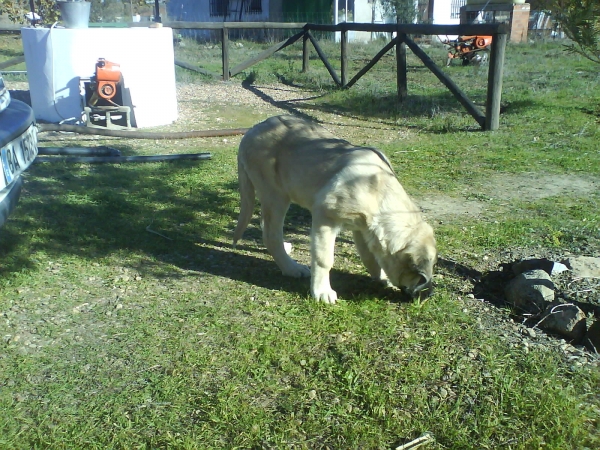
(470, 49)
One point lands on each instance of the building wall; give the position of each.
(519, 23)
(275, 10)
(515, 15)
(313, 11)
(316, 11)
(199, 11)
(445, 13)
(442, 11)
(365, 11)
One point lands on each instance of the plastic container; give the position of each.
(75, 14)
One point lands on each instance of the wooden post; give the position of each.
(189, 66)
(156, 12)
(494, 87)
(371, 63)
(344, 57)
(452, 87)
(305, 52)
(264, 55)
(225, 52)
(321, 54)
(401, 69)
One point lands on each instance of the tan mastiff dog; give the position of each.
(286, 159)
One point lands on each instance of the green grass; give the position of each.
(114, 337)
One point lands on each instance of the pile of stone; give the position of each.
(533, 295)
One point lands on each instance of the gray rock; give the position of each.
(533, 264)
(548, 266)
(584, 266)
(565, 319)
(530, 291)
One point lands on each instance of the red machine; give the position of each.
(108, 76)
(471, 49)
(103, 98)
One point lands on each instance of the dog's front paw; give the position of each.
(297, 271)
(384, 282)
(328, 296)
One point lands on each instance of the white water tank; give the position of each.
(57, 58)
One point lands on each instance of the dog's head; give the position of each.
(411, 268)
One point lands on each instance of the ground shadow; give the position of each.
(365, 106)
(96, 211)
(487, 286)
(287, 105)
(22, 95)
(384, 106)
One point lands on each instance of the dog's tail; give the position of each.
(246, 203)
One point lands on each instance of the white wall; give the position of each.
(441, 13)
(57, 58)
(365, 11)
(442, 16)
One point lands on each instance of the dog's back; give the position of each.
(299, 158)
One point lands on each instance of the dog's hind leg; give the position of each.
(273, 214)
(246, 204)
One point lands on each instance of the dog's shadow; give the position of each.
(353, 287)
(253, 265)
(487, 286)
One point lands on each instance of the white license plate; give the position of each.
(19, 154)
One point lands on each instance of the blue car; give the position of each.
(18, 144)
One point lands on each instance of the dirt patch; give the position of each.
(533, 186)
(444, 206)
(526, 187)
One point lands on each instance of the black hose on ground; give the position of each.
(122, 159)
(79, 151)
(42, 127)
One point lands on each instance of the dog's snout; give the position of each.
(422, 290)
(424, 282)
